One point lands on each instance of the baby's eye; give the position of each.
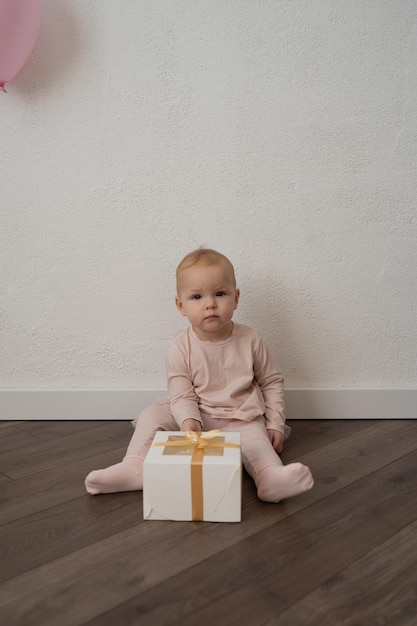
(196, 296)
(220, 293)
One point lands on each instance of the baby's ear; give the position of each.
(237, 296)
(179, 306)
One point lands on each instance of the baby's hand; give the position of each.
(191, 424)
(277, 439)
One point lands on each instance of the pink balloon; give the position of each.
(19, 28)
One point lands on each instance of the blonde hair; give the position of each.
(205, 256)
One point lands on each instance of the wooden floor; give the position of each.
(344, 553)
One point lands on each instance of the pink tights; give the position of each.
(274, 481)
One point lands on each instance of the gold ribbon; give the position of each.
(198, 444)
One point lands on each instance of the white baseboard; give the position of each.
(127, 404)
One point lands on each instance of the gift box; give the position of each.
(193, 477)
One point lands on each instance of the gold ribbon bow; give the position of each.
(198, 442)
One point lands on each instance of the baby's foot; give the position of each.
(279, 482)
(124, 476)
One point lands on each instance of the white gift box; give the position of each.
(187, 480)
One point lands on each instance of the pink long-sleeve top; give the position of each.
(232, 379)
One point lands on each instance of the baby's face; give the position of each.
(208, 297)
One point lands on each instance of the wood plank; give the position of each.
(359, 454)
(380, 588)
(66, 482)
(4, 478)
(325, 539)
(325, 483)
(48, 454)
(309, 435)
(397, 425)
(34, 540)
(44, 490)
(52, 430)
(13, 438)
(135, 560)
(76, 585)
(27, 527)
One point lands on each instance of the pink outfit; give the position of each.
(231, 379)
(232, 385)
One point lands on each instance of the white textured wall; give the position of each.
(282, 132)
